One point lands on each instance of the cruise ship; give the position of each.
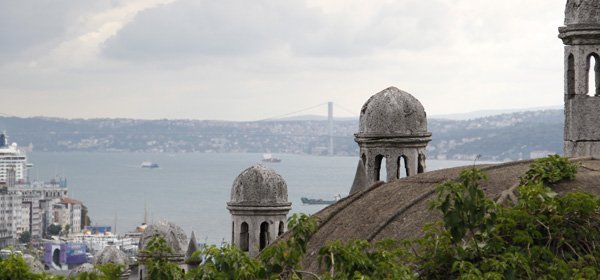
(11, 156)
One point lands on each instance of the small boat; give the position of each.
(149, 164)
(270, 158)
(309, 201)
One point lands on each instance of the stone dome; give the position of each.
(173, 234)
(259, 186)
(392, 112)
(582, 12)
(34, 265)
(399, 209)
(85, 267)
(111, 254)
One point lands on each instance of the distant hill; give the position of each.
(489, 113)
(500, 137)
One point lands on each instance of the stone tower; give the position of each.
(581, 36)
(392, 127)
(259, 207)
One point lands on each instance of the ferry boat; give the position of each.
(310, 201)
(149, 164)
(270, 158)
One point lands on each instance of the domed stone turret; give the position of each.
(173, 234)
(581, 36)
(393, 126)
(392, 112)
(259, 185)
(259, 207)
(111, 254)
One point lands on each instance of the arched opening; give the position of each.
(364, 159)
(571, 76)
(56, 257)
(264, 235)
(281, 228)
(593, 70)
(244, 237)
(421, 164)
(380, 168)
(402, 167)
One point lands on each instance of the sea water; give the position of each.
(189, 189)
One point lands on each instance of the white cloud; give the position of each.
(235, 59)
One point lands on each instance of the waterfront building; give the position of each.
(259, 206)
(10, 215)
(67, 212)
(39, 198)
(31, 206)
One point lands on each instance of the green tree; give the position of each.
(25, 237)
(54, 229)
(283, 258)
(14, 267)
(85, 218)
(111, 271)
(67, 230)
(156, 260)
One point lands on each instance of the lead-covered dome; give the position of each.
(172, 233)
(259, 186)
(111, 254)
(582, 12)
(393, 112)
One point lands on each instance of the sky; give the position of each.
(248, 60)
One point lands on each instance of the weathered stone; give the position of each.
(86, 267)
(581, 35)
(392, 112)
(173, 234)
(259, 207)
(582, 12)
(34, 265)
(192, 246)
(393, 127)
(360, 178)
(259, 185)
(111, 254)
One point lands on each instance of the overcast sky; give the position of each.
(249, 60)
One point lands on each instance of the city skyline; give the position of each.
(239, 60)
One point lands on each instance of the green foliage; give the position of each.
(550, 170)
(14, 267)
(359, 259)
(464, 206)
(25, 237)
(111, 271)
(227, 262)
(544, 236)
(85, 218)
(89, 276)
(54, 229)
(280, 260)
(283, 258)
(158, 266)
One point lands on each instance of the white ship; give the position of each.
(11, 156)
(149, 164)
(270, 158)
